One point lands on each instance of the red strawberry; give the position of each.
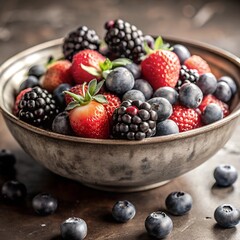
(186, 118)
(18, 99)
(113, 103)
(196, 62)
(88, 58)
(77, 90)
(212, 99)
(87, 115)
(161, 68)
(56, 74)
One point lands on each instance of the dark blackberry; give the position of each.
(187, 75)
(124, 40)
(80, 39)
(134, 120)
(37, 107)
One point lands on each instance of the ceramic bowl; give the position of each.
(118, 165)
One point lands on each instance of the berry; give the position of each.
(178, 203)
(225, 175)
(212, 113)
(196, 62)
(231, 83)
(36, 71)
(88, 58)
(133, 95)
(113, 103)
(149, 40)
(168, 93)
(59, 95)
(223, 92)
(119, 81)
(162, 107)
(56, 74)
(18, 99)
(14, 191)
(187, 75)
(37, 107)
(186, 118)
(124, 40)
(123, 211)
(7, 159)
(143, 86)
(73, 229)
(207, 83)
(44, 204)
(158, 224)
(211, 99)
(80, 39)
(77, 89)
(182, 52)
(134, 120)
(190, 95)
(227, 216)
(61, 124)
(134, 69)
(166, 127)
(30, 82)
(87, 115)
(161, 68)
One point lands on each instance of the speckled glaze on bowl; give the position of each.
(118, 165)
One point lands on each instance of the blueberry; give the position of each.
(149, 40)
(123, 211)
(212, 113)
(167, 92)
(73, 229)
(162, 107)
(119, 80)
(167, 127)
(36, 70)
(133, 95)
(30, 82)
(190, 95)
(182, 52)
(225, 175)
(14, 191)
(44, 204)
(178, 203)
(59, 96)
(158, 224)
(227, 216)
(231, 83)
(207, 83)
(134, 69)
(7, 159)
(223, 91)
(143, 86)
(61, 124)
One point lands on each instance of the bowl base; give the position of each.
(126, 189)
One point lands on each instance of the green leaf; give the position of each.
(100, 98)
(120, 62)
(147, 49)
(76, 97)
(72, 105)
(92, 85)
(93, 71)
(88, 97)
(105, 73)
(106, 65)
(158, 43)
(99, 86)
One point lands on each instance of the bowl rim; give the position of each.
(202, 130)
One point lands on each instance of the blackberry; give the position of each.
(134, 120)
(187, 75)
(37, 107)
(124, 40)
(80, 39)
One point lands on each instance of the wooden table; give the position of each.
(24, 24)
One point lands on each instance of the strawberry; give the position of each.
(161, 67)
(186, 118)
(212, 99)
(113, 103)
(56, 74)
(87, 115)
(88, 58)
(196, 62)
(18, 99)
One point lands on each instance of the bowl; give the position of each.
(118, 165)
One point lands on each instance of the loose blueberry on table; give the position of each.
(130, 66)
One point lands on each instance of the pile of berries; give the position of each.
(131, 87)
